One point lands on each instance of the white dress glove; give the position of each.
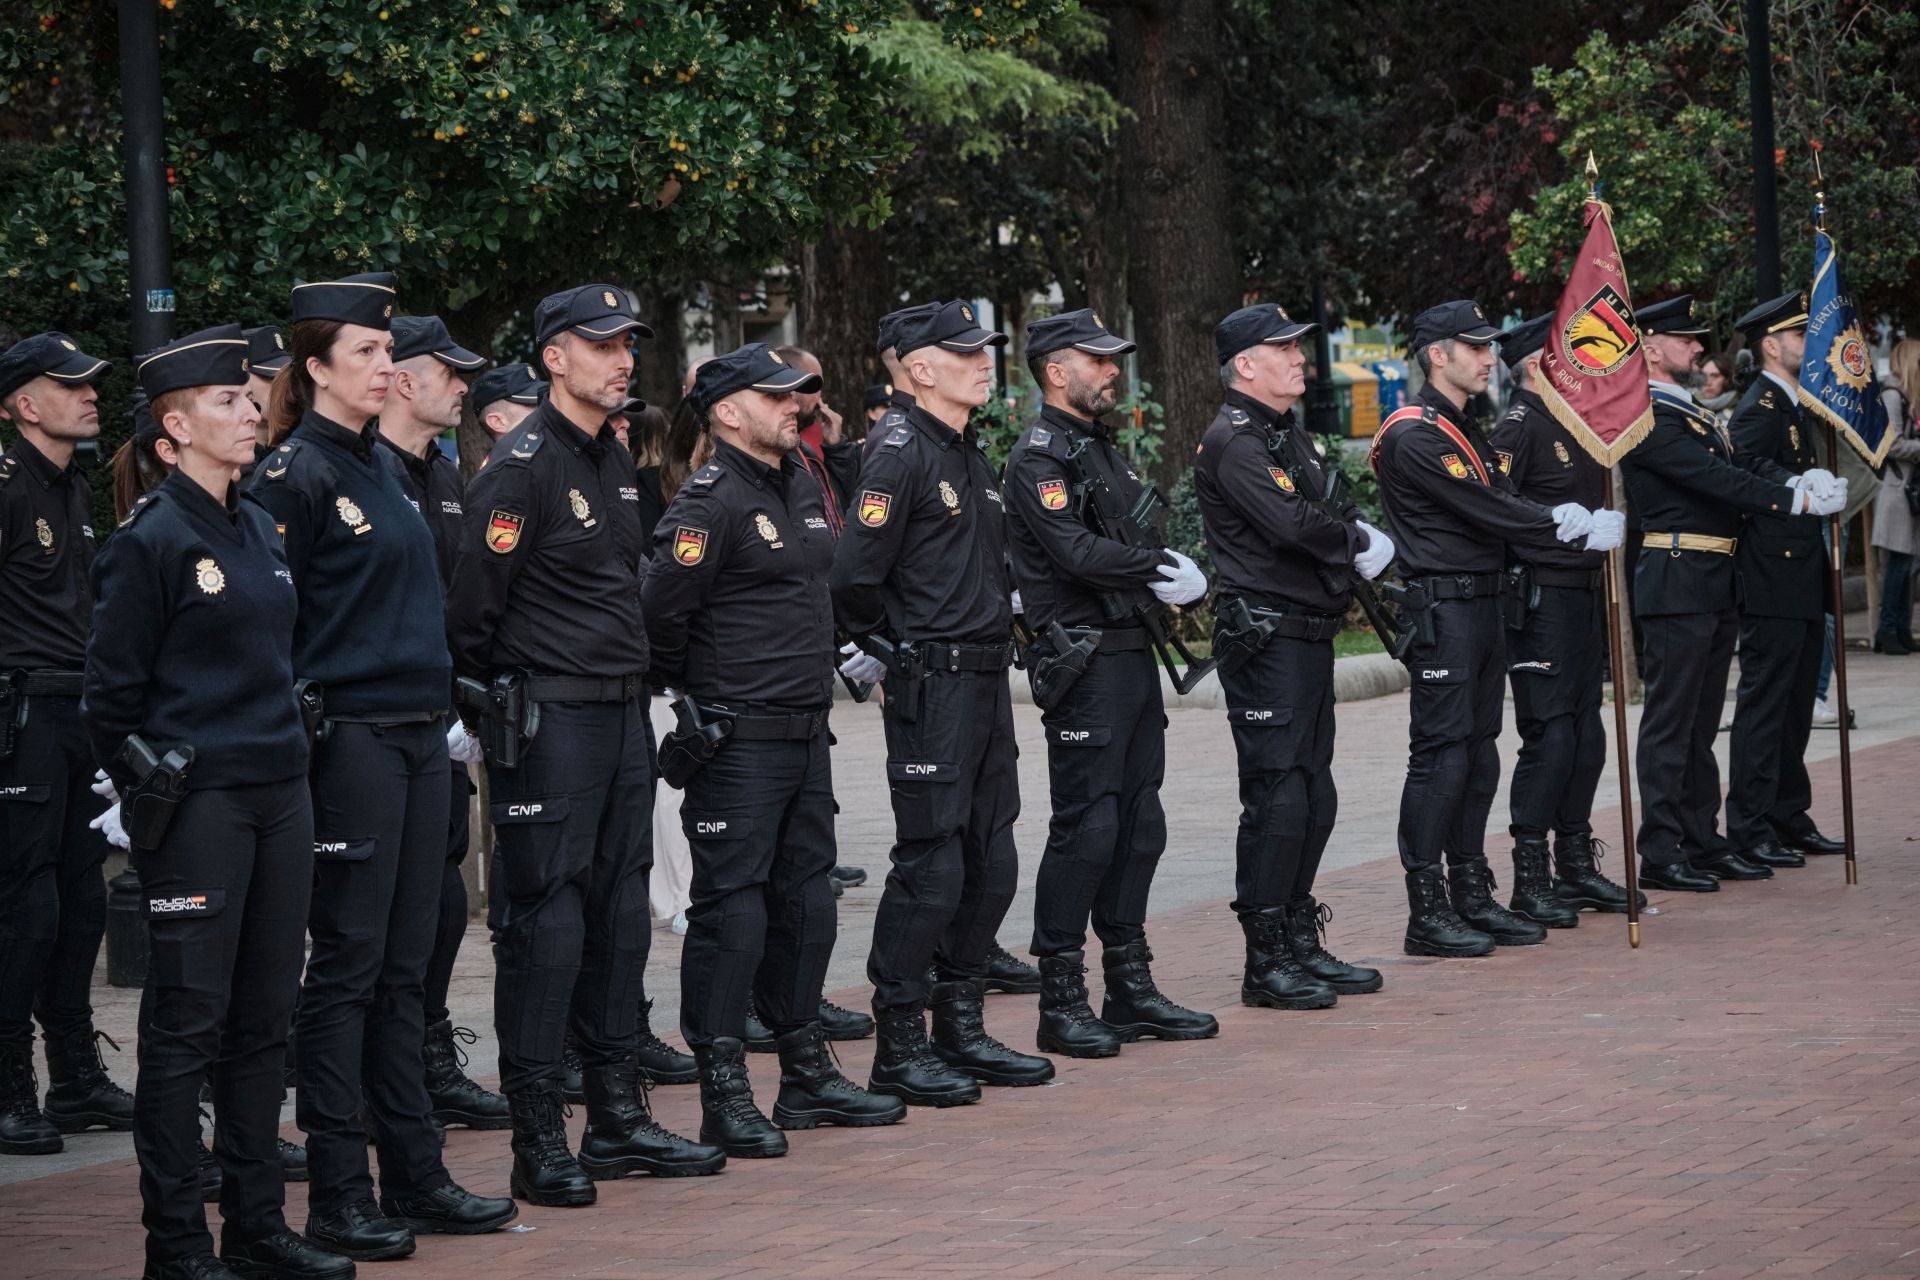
(1183, 583)
(1609, 531)
(1829, 503)
(1373, 559)
(1572, 522)
(462, 746)
(1018, 605)
(104, 788)
(108, 825)
(1815, 478)
(861, 667)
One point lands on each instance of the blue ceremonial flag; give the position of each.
(1836, 373)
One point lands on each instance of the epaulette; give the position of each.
(1696, 417)
(1239, 417)
(528, 446)
(9, 466)
(706, 476)
(1517, 414)
(1766, 399)
(140, 504)
(274, 465)
(899, 436)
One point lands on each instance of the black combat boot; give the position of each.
(1274, 979)
(544, 1170)
(906, 1066)
(759, 1037)
(1433, 928)
(1577, 877)
(1067, 1023)
(960, 1038)
(1009, 973)
(1472, 882)
(360, 1230)
(813, 1092)
(195, 1266)
(1307, 934)
(455, 1098)
(1534, 897)
(660, 1062)
(286, 1256)
(293, 1160)
(80, 1093)
(843, 1024)
(728, 1117)
(24, 1129)
(1134, 1007)
(622, 1136)
(572, 1089)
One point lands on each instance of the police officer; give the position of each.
(1556, 658)
(545, 611)
(1106, 731)
(226, 859)
(1784, 581)
(921, 574)
(900, 387)
(1689, 495)
(1453, 515)
(1287, 556)
(741, 622)
(376, 661)
(502, 397)
(53, 901)
(267, 355)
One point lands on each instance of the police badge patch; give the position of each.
(581, 512)
(43, 534)
(952, 499)
(764, 523)
(1506, 461)
(208, 578)
(875, 507)
(503, 531)
(1560, 452)
(689, 545)
(1053, 494)
(351, 515)
(1455, 468)
(1281, 478)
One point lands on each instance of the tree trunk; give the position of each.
(662, 363)
(846, 285)
(1181, 273)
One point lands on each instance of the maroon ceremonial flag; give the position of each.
(1593, 375)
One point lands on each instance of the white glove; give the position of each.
(1609, 531)
(462, 746)
(1184, 583)
(1019, 606)
(108, 825)
(1830, 503)
(1815, 478)
(1572, 522)
(861, 667)
(1373, 559)
(1839, 491)
(104, 788)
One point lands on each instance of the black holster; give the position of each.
(147, 809)
(906, 674)
(500, 713)
(1238, 635)
(312, 700)
(13, 711)
(1519, 596)
(1415, 605)
(692, 743)
(1058, 659)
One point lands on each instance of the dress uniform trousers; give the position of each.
(1280, 708)
(380, 824)
(225, 897)
(759, 823)
(1558, 664)
(1453, 766)
(956, 792)
(567, 900)
(1106, 758)
(1685, 661)
(1768, 792)
(452, 921)
(53, 899)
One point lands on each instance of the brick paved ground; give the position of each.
(1739, 1097)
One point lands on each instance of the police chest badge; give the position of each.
(208, 577)
(764, 523)
(1560, 452)
(1455, 468)
(581, 512)
(1281, 478)
(689, 545)
(1053, 494)
(351, 515)
(43, 533)
(952, 499)
(503, 531)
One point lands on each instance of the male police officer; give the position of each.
(1556, 658)
(53, 901)
(899, 388)
(1689, 495)
(1783, 574)
(1106, 734)
(1287, 557)
(545, 607)
(1453, 515)
(741, 620)
(921, 575)
(502, 397)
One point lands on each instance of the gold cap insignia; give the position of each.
(68, 345)
(606, 296)
(776, 356)
(279, 341)
(1282, 313)
(209, 578)
(1478, 314)
(386, 312)
(1096, 320)
(966, 313)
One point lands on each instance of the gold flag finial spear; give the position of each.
(1819, 188)
(1593, 178)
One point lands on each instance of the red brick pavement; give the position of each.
(1738, 1097)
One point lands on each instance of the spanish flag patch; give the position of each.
(875, 507)
(503, 531)
(1053, 494)
(689, 545)
(1281, 478)
(1455, 468)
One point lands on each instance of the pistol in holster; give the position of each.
(1057, 659)
(500, 713)
(906, 674)
(692, 743)
(1238, 635)
(1519, 596)
(13, 712)
(147, 808)
(312, 701)
(1415, 605)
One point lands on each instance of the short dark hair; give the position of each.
(1037, 366)
(1425, 361)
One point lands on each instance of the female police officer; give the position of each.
(226, 880)
(370, 643)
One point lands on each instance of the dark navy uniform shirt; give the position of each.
(1782, 560)
(1544, 462)
(46, 547)
(433, 485)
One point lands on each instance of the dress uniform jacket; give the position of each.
(1782, 560)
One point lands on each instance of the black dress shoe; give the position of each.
(1768, 853)
(1730, 866)
(195, 1266)
(1677, 876)
(285, 1256)
(1813, 843)
(360, 1231)
(449, 1210)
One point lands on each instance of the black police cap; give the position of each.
(754, 367)
(514, 383)
(1080, 330)
(215, 357)
(51, 355)
(590, 311)
(267, 352)
(630, 406)
(1673, 316)
(877, 396)
(953, 326)
(1524, 339)
(888, 338)
(1462, 320)
(366, 300)
(1263, 322)
(1788, 311)
(428, 336)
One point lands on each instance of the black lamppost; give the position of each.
(1766, 213)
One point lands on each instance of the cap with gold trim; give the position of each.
(428, 336)
(1462, 321)
(953, 327)
(366, 300)
(267, 352)
(590, 311)
(1672, 316)
(215, 357)
(1080, 330)
(1264, 322)
(52, 355)
(1788, 311)
(754, 367)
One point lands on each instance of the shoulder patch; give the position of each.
(874, 507)
(529, 445)
(1238, 417)
(141, 504)
(1766, 398)
(689, 545)
(274, 465)
(1281, 478)
(1517, 414)
(898, 436)
(709, 475)
(1040, 438)
(1506, 461)
(8, 466)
